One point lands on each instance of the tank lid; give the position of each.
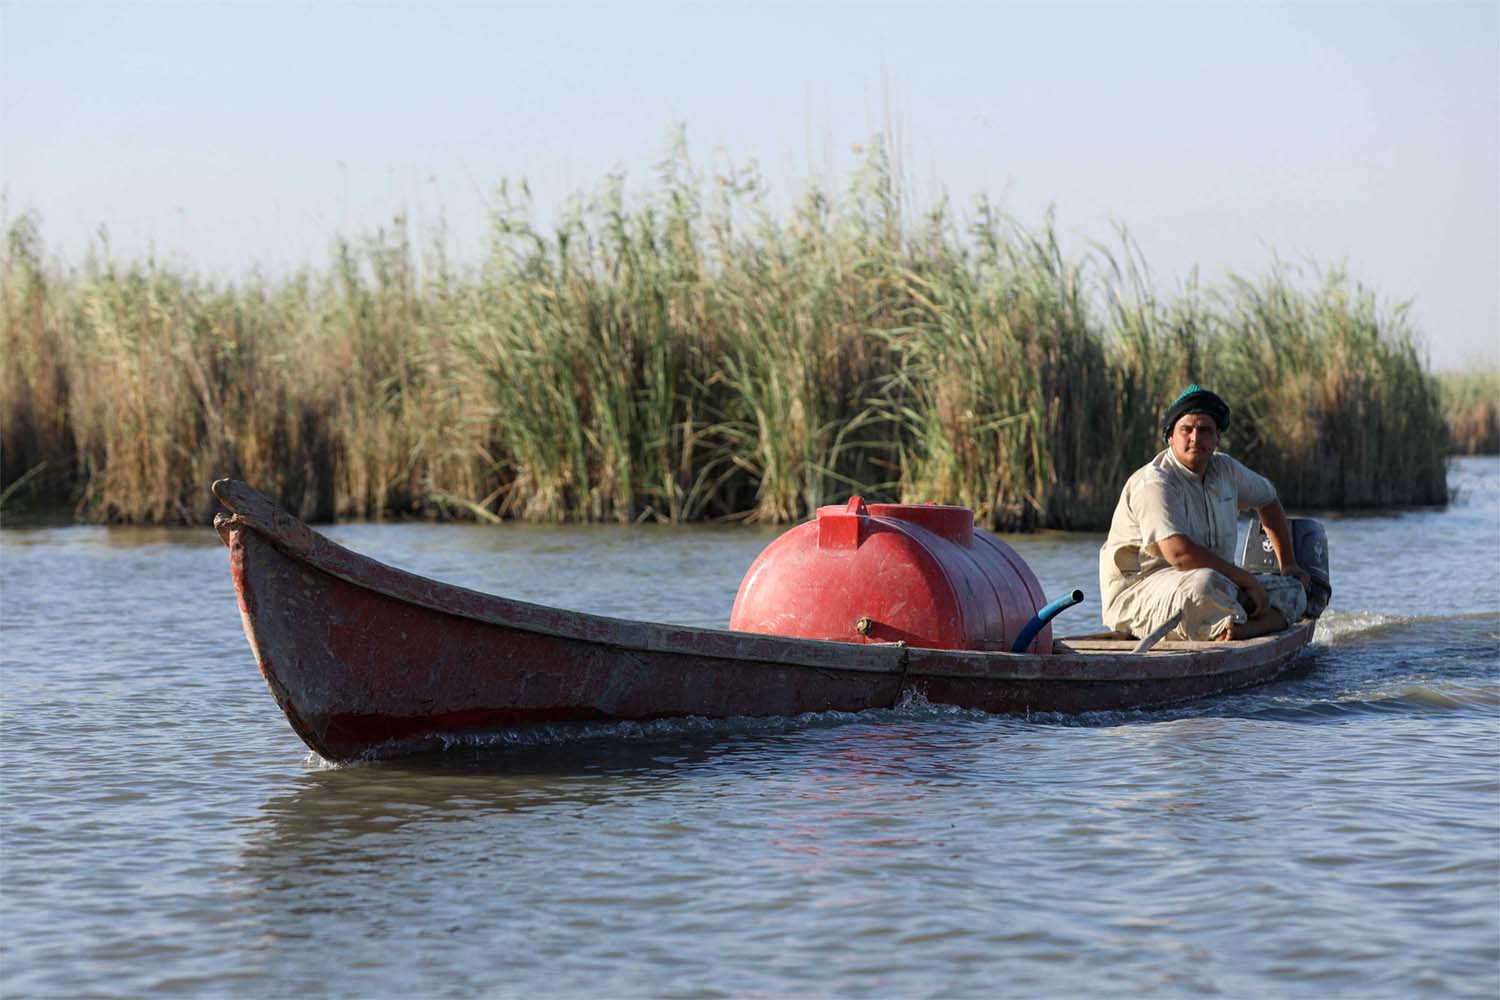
(953, 523)
(839, 524)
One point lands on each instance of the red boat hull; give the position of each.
(363, 657)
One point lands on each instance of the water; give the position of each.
(1336, 833)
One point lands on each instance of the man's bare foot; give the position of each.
(1271, 621)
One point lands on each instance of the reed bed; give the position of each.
(1471, 405)
(687, 354)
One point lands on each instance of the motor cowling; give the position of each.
(1309, 548)
(920, 574)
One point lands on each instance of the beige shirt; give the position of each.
(1165, 498)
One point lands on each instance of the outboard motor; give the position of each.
(1309, 546)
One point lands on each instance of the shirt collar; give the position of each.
(1176, 463)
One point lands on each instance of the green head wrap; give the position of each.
(1195, 399)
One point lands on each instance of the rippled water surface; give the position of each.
(1336, 833)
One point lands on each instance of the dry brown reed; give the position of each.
(1471, 406)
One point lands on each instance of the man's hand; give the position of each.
(1292, 569)
(1256, 591)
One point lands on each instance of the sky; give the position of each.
(237, 137)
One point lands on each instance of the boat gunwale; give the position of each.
(297, 541)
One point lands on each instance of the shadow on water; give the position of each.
(335, 814)
(345, 802)
(342, 835)
(339, 824)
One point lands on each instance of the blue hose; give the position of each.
(1042, 617)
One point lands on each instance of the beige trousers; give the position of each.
(1208, 600)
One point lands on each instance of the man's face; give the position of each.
(1195, 437)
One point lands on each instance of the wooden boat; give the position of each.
(367, 659)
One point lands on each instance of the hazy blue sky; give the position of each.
(234, 135)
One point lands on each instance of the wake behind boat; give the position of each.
(367, 659)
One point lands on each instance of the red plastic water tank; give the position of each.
(921, 574)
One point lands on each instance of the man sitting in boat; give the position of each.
(1171, 541)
